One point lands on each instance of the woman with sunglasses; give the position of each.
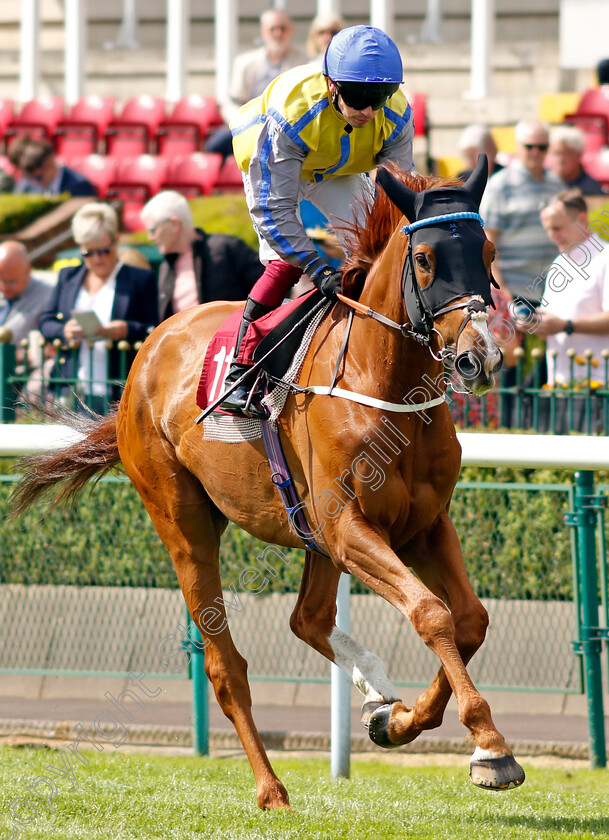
(315, 134)
(120, 299)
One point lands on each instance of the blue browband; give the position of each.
(436, 220)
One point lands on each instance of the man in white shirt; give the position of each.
(574, 311)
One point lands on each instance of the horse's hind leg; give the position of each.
(182, 516)
(313, 621)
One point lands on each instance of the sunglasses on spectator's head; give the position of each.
(361, 96)
(543, 147)
(331, 32)
(95, 252)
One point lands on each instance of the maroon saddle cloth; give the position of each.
(221, 348)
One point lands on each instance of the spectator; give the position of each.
(254, 70)
(575, 309)
(42, 174)
(566, 148)
(510, 207)
(7, 182)
(476, 140)
(122, 297)
(22, 297)
(323, 28)
(602, 72)
(198, 267)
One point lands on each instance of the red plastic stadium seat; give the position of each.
(187, 126)
(137, 180)
(592, 116)
(194, 174)
(418, 103)
(99, 169)
(39, 117)
(6, 115)
(133, 131)
(230, 179)
(85, 126)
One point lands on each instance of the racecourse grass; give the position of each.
(124, 796)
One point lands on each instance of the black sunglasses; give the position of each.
(543, 147)
(96, 252)
(361, 96)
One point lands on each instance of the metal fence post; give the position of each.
(8, 396)
(584, 519)
(340, 711)
(200, 692)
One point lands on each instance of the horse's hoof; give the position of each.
(378, 726)
(499, 773)
(368, 710)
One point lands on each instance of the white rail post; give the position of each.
(74, 50)
(328, 7)
(178, 15)
(225, 40)
(127, 34)
(29, 58)
(430, 31)
(340, 713)
(482, 45)
(381, 15)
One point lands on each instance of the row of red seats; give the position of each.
(144, 124)
(134, 180)
(592, 117)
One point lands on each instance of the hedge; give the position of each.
(514, 541)
(18, 211)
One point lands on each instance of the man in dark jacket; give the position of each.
(42, 174)
(198, 267)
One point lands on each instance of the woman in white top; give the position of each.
(94, 306)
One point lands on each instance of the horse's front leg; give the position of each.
(313, 621)
(368, 556)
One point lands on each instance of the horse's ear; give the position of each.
(476, 182)
(401, 195)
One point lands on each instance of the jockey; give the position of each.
(315, 134)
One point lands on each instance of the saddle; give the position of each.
(262, 335)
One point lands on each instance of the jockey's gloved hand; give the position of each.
(328, 281)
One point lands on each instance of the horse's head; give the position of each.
(447, 273)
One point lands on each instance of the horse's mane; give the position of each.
(368, 239)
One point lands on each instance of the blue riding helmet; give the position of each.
(363, 54)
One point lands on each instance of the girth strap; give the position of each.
(281, 478)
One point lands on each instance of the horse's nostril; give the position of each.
(499, 364)
(467, 366)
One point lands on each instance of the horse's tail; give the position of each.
(66, 471)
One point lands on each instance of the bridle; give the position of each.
(421, 326)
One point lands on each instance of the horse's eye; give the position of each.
(421, 260)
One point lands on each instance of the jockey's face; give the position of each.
(354, 117)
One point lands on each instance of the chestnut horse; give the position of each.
(427, 289)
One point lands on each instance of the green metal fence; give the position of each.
(521, 399)
(92, 591)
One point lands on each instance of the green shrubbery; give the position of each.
(514, 541)
(18, 211)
